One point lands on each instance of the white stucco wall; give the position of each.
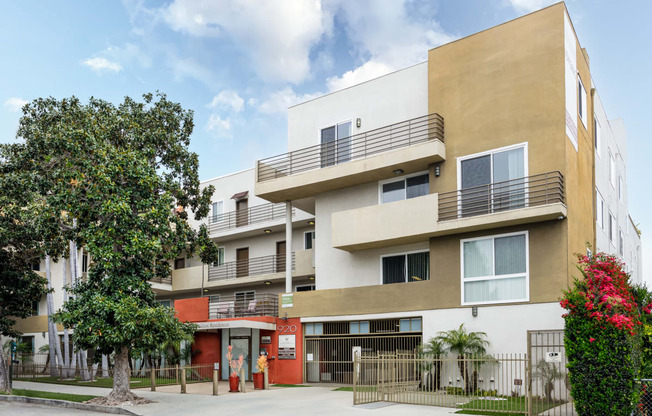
(613, 139)
(395, 97)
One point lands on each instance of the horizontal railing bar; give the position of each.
(249, 267)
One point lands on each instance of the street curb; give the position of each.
(68, 405)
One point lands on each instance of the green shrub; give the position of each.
(600, 329)
(459, 391)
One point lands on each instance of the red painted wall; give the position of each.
(209, 345)
(285, 371)
(192, 310)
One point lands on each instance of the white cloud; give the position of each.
(189, 68)
(279, 101)
(15, 103)
(276, 36)
(229, 100)
(528, 6)
(221, 127)
(387, 38)
(101, 65)
(129, 52)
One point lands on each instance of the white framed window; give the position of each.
(612, 170)
(493, 181)
(409, 325)
(620, 188)
(409, 186)
(359, 327)
(597, 134)
(314, 328)
(405, 267)
(599, 210)
(335, 144)
(308, 239)
(582, 101)
(304, 288)
(621, 242)
(217, 211)
(165, 302)
(495, 269)
(220, 257)
(612, 228)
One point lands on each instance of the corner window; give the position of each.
(308, 240)
(612, 227)
(405, 188)
(620, 188)
(621, 243)
(220, 257)
(410, 267)
(410, 325)
(336, 144)
(314, 329)
(495, 269)
(361, 327)
(581, 100)
(85, 263)
(36, 266)
(167, 303)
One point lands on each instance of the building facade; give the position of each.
(457, 191)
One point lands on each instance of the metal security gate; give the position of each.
(492, 383)
(329, 359)
(550, 385)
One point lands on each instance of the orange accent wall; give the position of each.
(192, 310)
(208, 343)
(285, 371)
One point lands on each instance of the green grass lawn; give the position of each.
(360, 388)
(136, 382)
(499, 407)
(51, 395)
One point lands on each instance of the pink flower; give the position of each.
(591, 339)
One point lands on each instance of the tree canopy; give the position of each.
(119, 181)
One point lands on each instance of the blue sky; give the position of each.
(240, 64)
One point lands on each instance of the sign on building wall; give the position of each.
(287, 300)
(570, 58)
(287, 347)
(266, 339)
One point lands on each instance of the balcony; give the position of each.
(521, 201)
(410, 145)
(262, 304)
(250, 267)
(247, 219)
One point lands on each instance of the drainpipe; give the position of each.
(288, 246)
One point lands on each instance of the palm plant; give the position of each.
(431, 353)
(465, 344)
(548, 373)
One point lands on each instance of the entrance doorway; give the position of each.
(242, 345)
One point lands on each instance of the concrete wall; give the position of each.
(389, 99)
(613, 139)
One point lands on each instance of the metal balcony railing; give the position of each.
(242, 218)
(543, 189)
(358, 146)
(249, 267)
(243, 305)
(164, 280)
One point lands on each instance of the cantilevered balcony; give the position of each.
(251, 219)
(521, 201)
(411, 145)
(242, 306)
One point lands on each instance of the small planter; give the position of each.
(234, 383)
(259, 378)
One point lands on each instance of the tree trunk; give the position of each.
(5, 385)
(53, 338)
(74, 266)
(66, 337)
(105, 366)
(121, 389)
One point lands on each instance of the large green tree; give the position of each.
(21, 230)
(119, 181)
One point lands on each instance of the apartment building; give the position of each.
(455, 191)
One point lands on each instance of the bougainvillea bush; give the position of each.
(601, 324)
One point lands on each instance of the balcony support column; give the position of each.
(288, 246)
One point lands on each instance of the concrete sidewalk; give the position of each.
(316, 400)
